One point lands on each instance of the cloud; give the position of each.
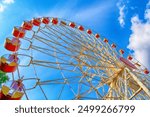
(123, 7)
(147, 12)
(139, 40)
(2, 7)
(4, 4)
(121, 15)
(8, 1)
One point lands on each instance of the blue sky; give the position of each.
(125, 22)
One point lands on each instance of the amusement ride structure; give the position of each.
(51, 58)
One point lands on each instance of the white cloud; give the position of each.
(2, 7)
(4, 4)
(139, 40)
(8, 1)
(121, 15)
(122, 7)
(148, 4)
(147, 12)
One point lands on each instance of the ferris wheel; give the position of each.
(52, 58)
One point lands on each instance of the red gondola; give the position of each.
(81, 28)
(12, 44)
(54, 21)
(63, 23)
(45, 20)
(146, 71)
(130, 57)
(27, 25)
(18, 32)
(121, 51)
(97, 36)
(113, 45)
(12, 92)
(89, 31)
(9, 63)
(72, 24)
(36, 21)
(105, 40)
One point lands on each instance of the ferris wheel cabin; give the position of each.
(18, 32)
(9, 63)
(13, 91)
(12, 44)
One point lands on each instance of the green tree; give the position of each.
(3, 77)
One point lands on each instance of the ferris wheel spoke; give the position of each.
(48, 52)
(74, 41)
(61, 80)
(71, 39)
(51, 55)
(50, 62)
(52, 83)
(133, 95)
(43, 92)
(136, 88)
(139, 82)
(48, 44)
(54, 67)
(77, 34)
(93, 88)
(55, 47)
(65, 63)
(90, 98)
(95, 68)
(42, 51)
(91, 44)
(25, 94)
(61, 91)
(56, 40)
(83, 94)
(141, 75)
(79, 88)
(63, 76)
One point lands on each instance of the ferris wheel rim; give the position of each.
(57, 21)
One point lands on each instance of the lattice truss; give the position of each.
(63, 60)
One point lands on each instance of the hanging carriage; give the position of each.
(13, 91)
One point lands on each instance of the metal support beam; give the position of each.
(145, 89)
